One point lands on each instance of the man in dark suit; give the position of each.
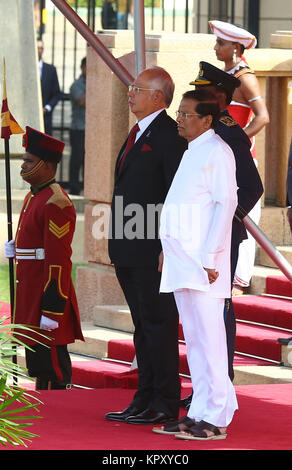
(249, 183)
(143, 176)
(289, 187)
(50, 88)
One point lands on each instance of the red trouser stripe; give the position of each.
(55, 363)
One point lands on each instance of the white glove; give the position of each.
(48, 324)
(9, 249)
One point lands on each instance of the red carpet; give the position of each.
(75, 420)
(278, 285)
(267, 310)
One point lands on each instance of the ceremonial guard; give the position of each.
(250, 112)
(45, 298)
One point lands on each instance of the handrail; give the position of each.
(268, 246)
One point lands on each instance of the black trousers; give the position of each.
(52, 364)
(155, 318)
(229, 315)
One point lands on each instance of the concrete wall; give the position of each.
(18, 47)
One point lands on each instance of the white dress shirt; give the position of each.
(196, 219)
(145, 122)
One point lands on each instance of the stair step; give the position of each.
(265, 310)
(258, 280)
(279, 285)
(259, 341)
(18, 196)
(286, 251)
(96, 340)
(116, 317)
(96, 373)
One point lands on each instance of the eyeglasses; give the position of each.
(183, 115)
(137, 89)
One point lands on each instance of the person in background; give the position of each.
(77, 130)
(249, 110)
(51, 93)
(108, 15)
(45, 298)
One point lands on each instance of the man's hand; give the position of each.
(160, 262)
(212, 275)
(9, 249)
(48, 324)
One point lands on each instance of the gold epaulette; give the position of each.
(228, 121)
(58, 197)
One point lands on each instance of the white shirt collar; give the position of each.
(41, 66)
(145, 122)
(201, 138)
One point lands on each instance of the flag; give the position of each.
(8, 124)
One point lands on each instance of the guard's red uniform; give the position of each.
(44, 286)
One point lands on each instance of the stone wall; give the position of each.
(18, 47)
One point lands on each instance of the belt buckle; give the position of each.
(39, 253)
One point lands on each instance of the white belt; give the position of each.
(30, 253)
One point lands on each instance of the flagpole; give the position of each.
(9, 126)
(10, 237)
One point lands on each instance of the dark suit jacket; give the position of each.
(50, 92)
(289, 177)
(249, 183)
(144, 180)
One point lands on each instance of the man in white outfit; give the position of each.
(195, 231)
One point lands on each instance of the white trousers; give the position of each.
(214, 399)
(246, 253)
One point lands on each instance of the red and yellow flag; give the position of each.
(8, 124)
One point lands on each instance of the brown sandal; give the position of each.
(183, 424)
(197, 432)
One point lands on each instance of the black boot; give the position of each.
(60, 385)
(42, 384)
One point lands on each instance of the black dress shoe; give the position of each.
(122, 415)
(149, 417)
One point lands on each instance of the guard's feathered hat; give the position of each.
(42, 145)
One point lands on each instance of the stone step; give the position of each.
(116, 317)
(255, 375)
(265, 260)
(258, 281)
(244, 375)
(96, 340)
(18, 195)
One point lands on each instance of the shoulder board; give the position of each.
(228, 121)
(242, 71)
(58, 197)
